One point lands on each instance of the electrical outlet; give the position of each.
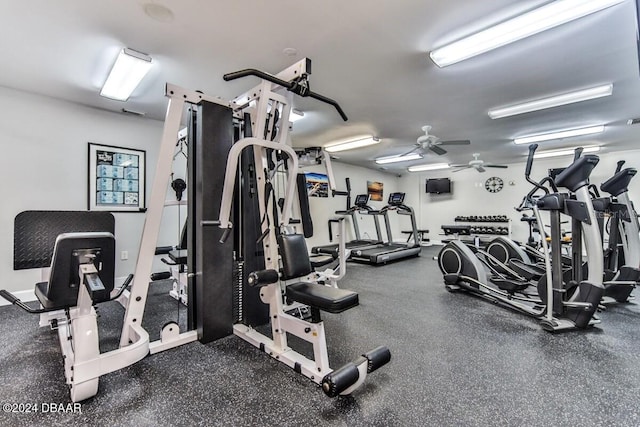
(124, 255)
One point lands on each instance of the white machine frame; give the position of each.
(77, 326)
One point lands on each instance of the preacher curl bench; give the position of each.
(82, 275)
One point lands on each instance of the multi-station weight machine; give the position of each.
(244, 259)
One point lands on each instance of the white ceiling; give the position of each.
(370, 56)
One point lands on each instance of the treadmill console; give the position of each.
(362, 200)
(396, 199)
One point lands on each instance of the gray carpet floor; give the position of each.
(456, 360)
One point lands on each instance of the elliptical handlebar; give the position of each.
(527, 174)
(532, 150)
(293, 86)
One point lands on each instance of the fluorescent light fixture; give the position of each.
(295, 115)
(431, 167)
(127, 73)
(565, 152)
(349, 145)
(543, 18)
(568, 133)
(395, 159)
(552, 101)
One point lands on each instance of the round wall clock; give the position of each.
(493, 184)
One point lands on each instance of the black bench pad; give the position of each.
(319, 260)
(325, 298)
(41, 294)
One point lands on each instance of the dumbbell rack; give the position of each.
(480, 227)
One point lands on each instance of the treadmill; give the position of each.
(360, 207)
(390, 251)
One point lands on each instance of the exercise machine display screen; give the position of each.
(362, 199)
(396, 199)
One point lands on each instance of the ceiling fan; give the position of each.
(431, 142)
(477, 164)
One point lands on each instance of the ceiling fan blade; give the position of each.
(417, 147)
(496, 166)
(461, 167)
(480, 169)
(456, 142)
(439, 151)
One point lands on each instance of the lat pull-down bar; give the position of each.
(298, 86)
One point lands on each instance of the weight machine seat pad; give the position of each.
(319, 260)
(325, 298)
(179, 256)
(41, 294)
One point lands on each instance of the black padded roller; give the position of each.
(164, 250)
(376, 358)
(263, 277)
(160, 276)
(341, 379)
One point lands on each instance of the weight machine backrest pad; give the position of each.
(183, 236)
(64, 282)
(295, 257)
(35, 233)
(303, 199)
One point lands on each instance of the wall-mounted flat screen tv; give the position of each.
(438, 186)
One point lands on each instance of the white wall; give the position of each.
(44, 167)
(322, 209)
(469, 196)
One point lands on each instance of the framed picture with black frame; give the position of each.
(116, 179)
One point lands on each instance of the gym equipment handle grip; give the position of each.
(288, 85)
(532, 150)
(619, 167)
(577, 153)
(124, 287)
(8, 296)
(225, 235)
(13, 300)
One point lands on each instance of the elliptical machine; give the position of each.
(622, 255)
(563, 305)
